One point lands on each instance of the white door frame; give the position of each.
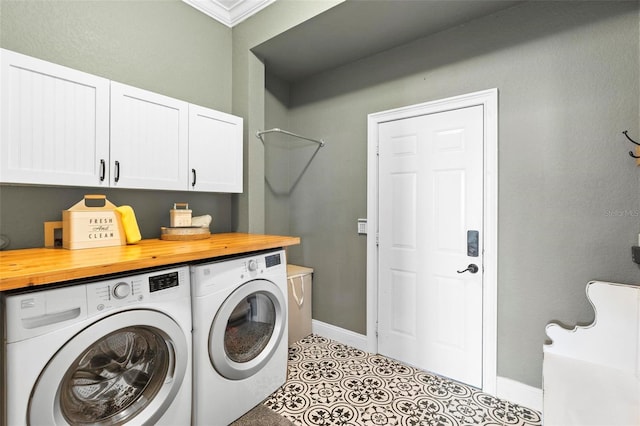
(489, 100)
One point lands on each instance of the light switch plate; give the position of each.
(362, 226)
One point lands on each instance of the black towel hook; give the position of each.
(631, 152)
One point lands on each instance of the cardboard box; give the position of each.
(97, 225)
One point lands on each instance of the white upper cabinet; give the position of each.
(149, 139)
(215, 150)
(54, 123)
(60, 126)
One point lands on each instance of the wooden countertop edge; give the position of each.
(15, 274)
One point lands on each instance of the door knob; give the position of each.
(473, 268)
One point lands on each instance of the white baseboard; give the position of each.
(342, 335)
(508, 389)
(519, 393)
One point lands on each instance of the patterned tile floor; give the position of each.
(330, 383)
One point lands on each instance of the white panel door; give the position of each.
(430, 196)
(54, 123)
(215, 150)
(149, 140)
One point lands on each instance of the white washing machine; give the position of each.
(239, 311)
(102, 353)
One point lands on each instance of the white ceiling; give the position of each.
(229, 12)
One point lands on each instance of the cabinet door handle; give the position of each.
(117, 172)
(193, 182)
(102, 170)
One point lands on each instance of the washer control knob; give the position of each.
(252, 265)
(121, 290)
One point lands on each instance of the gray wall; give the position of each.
(568, 79)
(277, 161)
(164, 46)
(569, 199)
(249, 98)
(23, 209)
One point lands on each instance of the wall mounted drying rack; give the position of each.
(320, 143)
(276, 130)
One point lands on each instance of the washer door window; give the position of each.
(247, 329)
(133, 370)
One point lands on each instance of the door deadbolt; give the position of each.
(473, 268)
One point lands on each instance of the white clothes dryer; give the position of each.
(239, 311)
(102, 353)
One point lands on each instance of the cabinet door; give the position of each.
(215, 150)
(55, 123)
(149, 139)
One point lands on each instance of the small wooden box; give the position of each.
(180, 216)
(88, 227)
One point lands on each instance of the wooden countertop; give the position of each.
(40, 266)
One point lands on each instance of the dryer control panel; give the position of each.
(272, 260)
(258, 263)
(220, 275)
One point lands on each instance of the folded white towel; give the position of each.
(201, 221)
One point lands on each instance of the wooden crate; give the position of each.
(88, 227)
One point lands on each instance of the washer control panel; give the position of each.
(126, 291)
(252, 265)
(163, 281)
(121, 290)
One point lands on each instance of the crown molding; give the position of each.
(229, 12)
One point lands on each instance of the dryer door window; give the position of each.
(126, 367)
(247, 329)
